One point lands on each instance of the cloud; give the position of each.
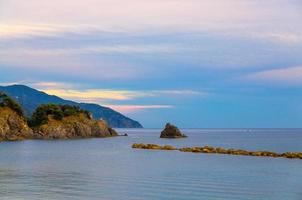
(290, 75)
(96, 95)
(33, 30)
(180, 92)
(139, 38)
(95, 49)
(61, 65)
(99, 95)
(239, 18)
(91, 61)
(82, 93)
(126, 109)
(285, 37)
(49, 85)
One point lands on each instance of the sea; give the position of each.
(109, 169)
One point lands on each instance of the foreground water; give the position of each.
(110, 169)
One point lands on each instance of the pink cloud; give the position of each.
(291, 75)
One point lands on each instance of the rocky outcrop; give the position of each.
(13, 126)
(75, 126)
(219, 150)
(49, 121)
(30, 99)
(105, 129)
(171, 131)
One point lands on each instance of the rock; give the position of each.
(153, 147)
(171, 131)
(105, 129)
(168, 147)
(137, 146)
(212, 150)
(75, 126)
(13, 127)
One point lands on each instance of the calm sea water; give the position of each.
(110, 169)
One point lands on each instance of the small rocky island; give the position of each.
(171, 131)
(49, 121)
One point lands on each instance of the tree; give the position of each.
(6, 101)
(58, 112)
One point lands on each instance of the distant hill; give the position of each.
(30, 99)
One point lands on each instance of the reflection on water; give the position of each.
(110, 169)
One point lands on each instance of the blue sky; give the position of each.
(211, 63)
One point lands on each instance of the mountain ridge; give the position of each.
(30, 98)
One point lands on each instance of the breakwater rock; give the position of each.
(219, 150)
(153, 146)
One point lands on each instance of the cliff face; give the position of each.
(12, 126)
(77, 126)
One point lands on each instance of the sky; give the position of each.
(195, 63)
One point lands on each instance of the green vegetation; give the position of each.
(6, 101)
(40, 116)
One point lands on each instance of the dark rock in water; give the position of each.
(171, 131)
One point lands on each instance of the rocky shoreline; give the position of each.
(219, 150)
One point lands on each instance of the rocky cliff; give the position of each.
(49, 121)
(13, 126)
(76, 126)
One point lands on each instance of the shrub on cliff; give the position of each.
(40, 116)
(6, 101)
